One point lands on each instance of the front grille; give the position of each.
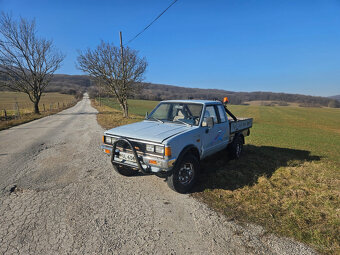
(139, 147)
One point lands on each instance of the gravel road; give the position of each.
(60, 195)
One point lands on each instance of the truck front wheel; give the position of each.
(184, 174)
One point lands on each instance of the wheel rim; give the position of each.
(186, 173)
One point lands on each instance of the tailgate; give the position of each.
(240, 124)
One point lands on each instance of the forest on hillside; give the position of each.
(78, 84)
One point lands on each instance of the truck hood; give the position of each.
(152, 131)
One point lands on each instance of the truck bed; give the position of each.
(240, 125)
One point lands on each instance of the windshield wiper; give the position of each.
(155, 119)
(184, 123)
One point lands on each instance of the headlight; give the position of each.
(159, 149)
(108, 140)
(150, 148)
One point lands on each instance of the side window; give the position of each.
(221, 113)
(210, 112)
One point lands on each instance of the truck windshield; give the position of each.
(183, 113)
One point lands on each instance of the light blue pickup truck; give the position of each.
(173, 138)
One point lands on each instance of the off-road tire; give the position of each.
(236, 148)
(125, 170)
(174, 181)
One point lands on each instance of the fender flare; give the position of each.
(237, 135)
(185, 150)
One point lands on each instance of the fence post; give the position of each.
(50, 107)
(44, 107)
(63, 105)
(17, 113)
(5, 114)
(58, 106)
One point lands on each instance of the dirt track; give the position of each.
(59, 195)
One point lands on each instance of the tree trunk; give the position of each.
(126, 109)
(36, 107)
(124, 106)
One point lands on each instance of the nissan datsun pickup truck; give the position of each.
(174, 138)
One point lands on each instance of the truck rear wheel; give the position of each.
(184, 174)
(124, 170)
(236, 147)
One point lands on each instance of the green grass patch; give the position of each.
(287, 180)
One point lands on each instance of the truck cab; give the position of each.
(173, 138)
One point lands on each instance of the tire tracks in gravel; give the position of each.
(68, 200)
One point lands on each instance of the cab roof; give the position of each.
(192, 101)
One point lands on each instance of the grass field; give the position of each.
(267, 102)
(288, 179)
(137, 107)
(8, 101)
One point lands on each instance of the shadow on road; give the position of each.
(219, 172)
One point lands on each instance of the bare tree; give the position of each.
(28, 61)
(118, 76)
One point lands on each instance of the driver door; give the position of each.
(211, 141)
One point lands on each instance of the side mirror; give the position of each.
(208, 122)
(146, 115)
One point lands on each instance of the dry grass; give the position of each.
(109, 117)
(8, 102)
(288, 179)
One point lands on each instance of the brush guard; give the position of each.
(138, 160)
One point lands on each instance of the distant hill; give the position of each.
(163, 92)
(69, 83)
(337, 97)
(63, 83)
(73, 84)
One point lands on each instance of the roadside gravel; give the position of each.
(60, 195)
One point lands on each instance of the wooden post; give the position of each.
(50, 107)
(123, 71)
(44, 108)
(5, 114)
(58, 106)
(17, 114)
(121, 48)
(63, 105)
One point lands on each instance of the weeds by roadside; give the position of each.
(109, 117)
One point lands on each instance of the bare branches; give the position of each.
(27, 60)
(105, 64)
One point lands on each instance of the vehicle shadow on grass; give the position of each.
(220, 172)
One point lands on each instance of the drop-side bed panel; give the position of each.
(240, 124)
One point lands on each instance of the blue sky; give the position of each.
(237, 45)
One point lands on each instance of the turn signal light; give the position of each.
(107, 151)
(103, 139)
(153, 162)
(167, 151)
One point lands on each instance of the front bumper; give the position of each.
(148, 163)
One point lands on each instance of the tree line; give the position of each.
(160, 92)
